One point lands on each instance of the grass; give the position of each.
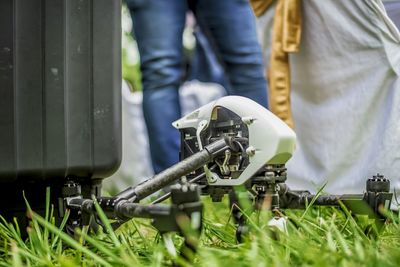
(315, 237)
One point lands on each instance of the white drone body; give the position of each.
(270, 140)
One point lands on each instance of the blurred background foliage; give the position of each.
(130, 54)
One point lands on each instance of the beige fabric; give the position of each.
(286, 39)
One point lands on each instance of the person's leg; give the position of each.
(205, 66)
(158, 27)
(231, 27)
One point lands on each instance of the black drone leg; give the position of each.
(235, 207)
(242, 229)
(239, 218)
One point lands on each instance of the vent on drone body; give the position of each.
(223, 122)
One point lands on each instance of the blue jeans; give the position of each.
(204, 64)
(393, 11)
(158, 26)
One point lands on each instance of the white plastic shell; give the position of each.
(271, 141)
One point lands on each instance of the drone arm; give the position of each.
(369, 203)
(300, 199)
(185, 203)
(176, 171)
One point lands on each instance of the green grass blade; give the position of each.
(69, 240)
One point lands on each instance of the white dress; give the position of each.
(345, 95)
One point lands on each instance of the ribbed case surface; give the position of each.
(59, 89)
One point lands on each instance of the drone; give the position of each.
(227, 143)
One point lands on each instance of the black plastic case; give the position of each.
(60, 93)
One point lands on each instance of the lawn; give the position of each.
(316, 237)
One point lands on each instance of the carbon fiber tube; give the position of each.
(298, 199)
(133, 210)
(333, 200)
(175, 172)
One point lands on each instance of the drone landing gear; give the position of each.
(273, 194)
